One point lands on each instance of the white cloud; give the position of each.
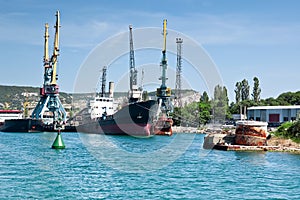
(205, 28)
(236, 29)
(83, 35)
(14, 27)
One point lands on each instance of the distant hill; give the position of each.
(184, 92)
(13, 97)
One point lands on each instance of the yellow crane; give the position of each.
(56, 49)
(46, 51)
(50, 103)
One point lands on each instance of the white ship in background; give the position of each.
(103, 104)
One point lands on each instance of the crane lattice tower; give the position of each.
(178, 94)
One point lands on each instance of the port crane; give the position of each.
(49, 105)
(163, 123)
(163, 93)
(135, 92)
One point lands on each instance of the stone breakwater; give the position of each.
(182, 129)
(225, 141)
(263, 148)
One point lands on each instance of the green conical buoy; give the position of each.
(58, 142)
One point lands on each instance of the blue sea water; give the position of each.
(124, 167)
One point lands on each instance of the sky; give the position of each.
(243, 38)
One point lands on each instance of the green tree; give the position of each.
(245, 90)
(256, 90)
(177, 116)
(238, 90)
(204, 97)
(270, 102)
(204, 113)
(204, 109)
(289, 98)
(190, 114)
(234, 108)
(220, 104)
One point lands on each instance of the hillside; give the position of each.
(13, 97)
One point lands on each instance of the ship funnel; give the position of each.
(111, 86)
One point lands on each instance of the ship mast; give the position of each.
(103, 85)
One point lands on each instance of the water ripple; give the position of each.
(30, 169)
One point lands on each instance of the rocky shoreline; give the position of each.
(226, 137)
(225, 141)
(183, 129)
(283, 143)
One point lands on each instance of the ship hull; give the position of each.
(163, 126)
(31, 126)
(22, 125)
(134, 119)
(110, 127)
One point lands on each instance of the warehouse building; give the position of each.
(274, 115)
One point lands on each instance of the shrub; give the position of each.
(289, 130)
(294, 130)
(282, 129)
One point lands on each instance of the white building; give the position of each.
(273, 114)
(29, 94)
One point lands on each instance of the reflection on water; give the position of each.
(124, 167)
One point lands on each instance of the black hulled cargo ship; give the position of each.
(22, 125)
(138, 117)
(133, 119)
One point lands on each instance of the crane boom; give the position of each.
(165, 35)
(135, 93)
(164, 63)
(133, 71)
(46, 45)
(56, 49)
